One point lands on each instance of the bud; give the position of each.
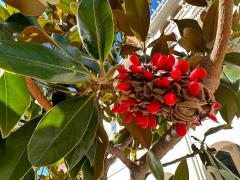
(125, 86)
(181, 129)
(183, 66)
(170, 98)
(154, 107)
(152, 121)
(163, 82)
(128, 118)
(148, 75)
(135, 60)
(162, 62)
(135, 69)
(176, 74)
(123, 76)
(193, 88)
(198, 74)
(170, 62)
(129, 102)
(122, 69)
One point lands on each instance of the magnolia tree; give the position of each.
(61, 78)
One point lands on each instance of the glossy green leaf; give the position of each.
(66, 121)
(88, 171)
(84, 145)
(74, 171)
(95, 24)
(30, 175)
(14, 162)
(232, 72)
(3, 13)
(65, 5)
(143, 136)
(216, 129)
(14, 100)
(38, 61)
(155, 165)
(233, 58)
(210, 22)
(138, 17)
(227, 98)
(91, 154)
(185, 23)
(102, 143)
(182, 171)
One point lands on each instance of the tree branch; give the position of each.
(37, 94)
(214, 66)
(181, 158)
(119, 154)
(160, 149)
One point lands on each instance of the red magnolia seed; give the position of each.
(163, 82)
(183, 66)
(155, 58)
(176, 74)
(152, 121)
(144, 122)
(135, 69)
(154, 107)
(123, 76)
(148, 75)
(198, 74)
(121, 69)
(170, 98)
(181, 129)
(193, 88)
(129, 102)
(134, 60)
(124, 86)
(170, 62)
(128, 118)
(217, 106)
(212, 117)
(119, 109)
(162, 62)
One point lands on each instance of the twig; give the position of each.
(118, 153)
(37, 94)
(181, 158)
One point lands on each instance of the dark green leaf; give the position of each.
(66, 121)
(88, 171)
(30, 175)
(84, 145)
(14, 100)
(155, 165)
(14, 162)
(40, 62)
(95, 23)
(210, 22)
(91, 154)
(185, 23)
(74, 171)
(143, 136)
(216, 129)
(138, 16)
(200, 3)
(233, 58)
(182, 171)
(102, 143)
(128, 49)
(236, 2)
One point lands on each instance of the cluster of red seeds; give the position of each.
(162, 70)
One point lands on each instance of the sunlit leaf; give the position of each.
(155, 165)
